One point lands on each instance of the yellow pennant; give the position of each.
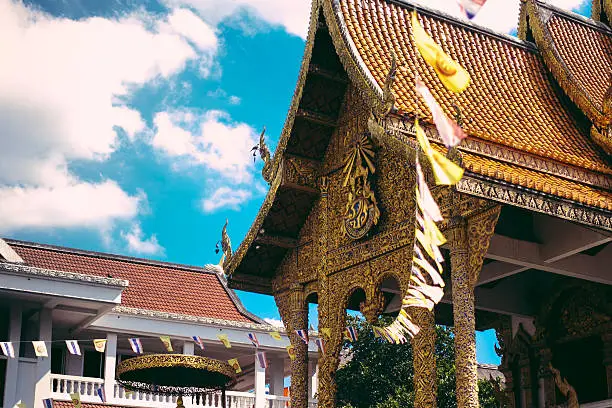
(76, 399)
(167, 342)
(40, 349)
(445, 171)
(275, 335)
(20, 404)
(235, 365)
(291, 352)
(100, 345)
(326, 331)
(454, 77)
(224, 340)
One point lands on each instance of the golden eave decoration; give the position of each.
(175, 374)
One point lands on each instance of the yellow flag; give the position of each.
(224, 340)
(275, 335)
(326, 331)
(40, 349)
(20, 404)
(76, 399)
(454, 77)
(445, 171)
(100, 345)
(167, 342)
(235, 365)
(291, 352)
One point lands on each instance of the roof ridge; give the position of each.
(579, 18)
(106, 255)
(527, 45)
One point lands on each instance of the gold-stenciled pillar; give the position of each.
(468, 243)
(424, 358)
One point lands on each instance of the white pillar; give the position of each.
(276, 370)
(110, 366)
(42, 389)
(313, 378)
(188, 348)
(12, 364)
(260, 385)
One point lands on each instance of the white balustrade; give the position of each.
(63, 385)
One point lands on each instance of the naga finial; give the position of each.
(388, 99)
(226, 246)
(264, 153)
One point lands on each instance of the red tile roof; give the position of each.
(153, 285)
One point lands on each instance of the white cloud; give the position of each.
(79, 204)
(138, 244)
(292, 15)
(225, 197)
(62, 83)
(209, 139)
(274, 322)
(234, 100)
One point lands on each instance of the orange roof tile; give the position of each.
(511, 100)
(577, 51)
(153, 286)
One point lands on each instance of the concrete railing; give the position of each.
(63, 385)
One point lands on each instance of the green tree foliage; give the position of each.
(377, 374)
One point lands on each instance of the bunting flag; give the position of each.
(276, 335)
(73, 347)
(223, 338)
(445, 171)
(326, 331)
(40, 349)
(47, 403)
(101, 394)
(128, 393)
(198, 340)
(253, 339)
(450, 132)
(76, 399)
(303, 334)
(136, 345)
(261, 358)
(454, 77)
(100, 345)
(167, 343)
(425, 199)
(235, 365)
(471, 7)
(321, 345)
(7, 349)
(291, 352)
(351, 333)
(20, 404)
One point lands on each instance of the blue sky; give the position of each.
(127, 124)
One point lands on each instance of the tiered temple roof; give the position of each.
(535, 112)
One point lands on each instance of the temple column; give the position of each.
(276, 368)
(294, 311)
(110, 365)
(468, 243)
(332, 316)
(423, 346)
(546, 382)
(607, 352)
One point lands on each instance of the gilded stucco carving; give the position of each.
(424, 345)
(264, 153)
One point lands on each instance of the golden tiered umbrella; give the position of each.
(176, 374)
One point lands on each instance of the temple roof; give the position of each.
(527, 138)
(156, 286)
(576, 50)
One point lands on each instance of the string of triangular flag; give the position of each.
(41, 349)
(471, 7)
(426, 287)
